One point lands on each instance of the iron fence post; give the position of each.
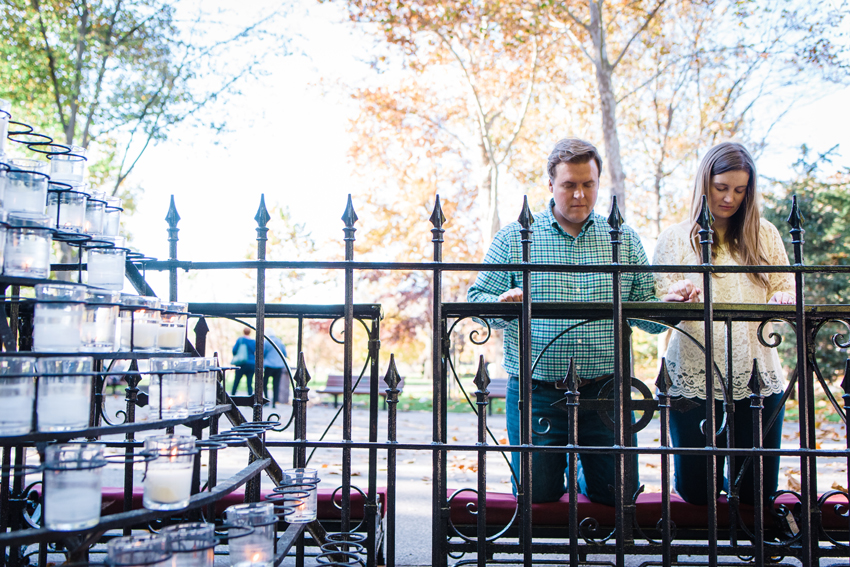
(482, 381)
(438, 377)
(622, 388)
(392, 380)
(172, 218)
(349, 217)
(757, 406)
(805, 382)
(705, 221)
(524, 490)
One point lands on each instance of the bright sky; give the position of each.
(288, 140)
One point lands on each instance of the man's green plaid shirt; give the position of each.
(591, 345)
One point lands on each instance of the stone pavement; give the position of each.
(413, 506)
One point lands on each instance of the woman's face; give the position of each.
(726, 194)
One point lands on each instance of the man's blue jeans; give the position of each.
(595, 471)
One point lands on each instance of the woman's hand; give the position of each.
(683, 291)
(782, 298)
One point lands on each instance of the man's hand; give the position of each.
(511, 295)
(683, 291)
(782, 298)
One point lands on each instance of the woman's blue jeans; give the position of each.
(548, 470)
(691, 471)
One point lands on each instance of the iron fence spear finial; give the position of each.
(262, 217)
(663, 382)
(755, 384)
(526, 219)
(172, 218)
(705, 220)
(392, 379)
(349, 217)
(437, 217)
(795, 219)
(302, 375)
(845, 382)
(615, 219)
(482, 377)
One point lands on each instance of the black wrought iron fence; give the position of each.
(470, 524)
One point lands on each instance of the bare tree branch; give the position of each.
(646, 23)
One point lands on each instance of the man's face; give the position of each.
(574, 189)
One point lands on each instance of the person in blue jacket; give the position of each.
(273, 368)
(244, 351)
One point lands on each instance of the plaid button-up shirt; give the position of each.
(592, 344)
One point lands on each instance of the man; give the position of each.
(273, 368)
(244, 351)
(567, 232)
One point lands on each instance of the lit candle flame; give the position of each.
(256, 558)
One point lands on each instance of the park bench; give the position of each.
(498, 388)
(335, 387)
(550, 519)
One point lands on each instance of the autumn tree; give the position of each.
(120, 73)
(474, 73)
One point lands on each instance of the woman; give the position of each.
(727, 178)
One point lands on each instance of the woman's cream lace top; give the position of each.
(686, 362)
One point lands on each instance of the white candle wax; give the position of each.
(196, 394)
(251, 554)
(106, 270)
(57, 328)
(145, 332)
(167, 485)
(60, 411)
(25, 195)
(15, 412)
(73, 499)
(29, 256)
(171, 337)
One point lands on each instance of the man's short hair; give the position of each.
(572, 150)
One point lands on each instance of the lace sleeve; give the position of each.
(668, 252)
(776, 256)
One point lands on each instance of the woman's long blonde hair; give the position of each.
(742, 235)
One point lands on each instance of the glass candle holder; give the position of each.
(168, 394)
(192, 544)
(255, 549)
(17, 394)
(300, 485)
(64, 393)
(26, 186)
(172, 328)
(148, 550)
(27, 253)
(72, 486)
(95, 208)
(139, 323)
(112, 216)
(68, 168)
(168, 478)
(4, 168)
(100, 321)
(210, 379)
(4, 217)
(194, 369)
(106, 264)
(57, 325)
(67, 209)
(5, 115)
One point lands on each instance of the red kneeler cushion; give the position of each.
(113, 502)
(501, 507)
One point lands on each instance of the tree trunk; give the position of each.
(604, 83)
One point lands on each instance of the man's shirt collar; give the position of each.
(548, 219)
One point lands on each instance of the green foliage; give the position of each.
(824, 202)
(118, 75)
